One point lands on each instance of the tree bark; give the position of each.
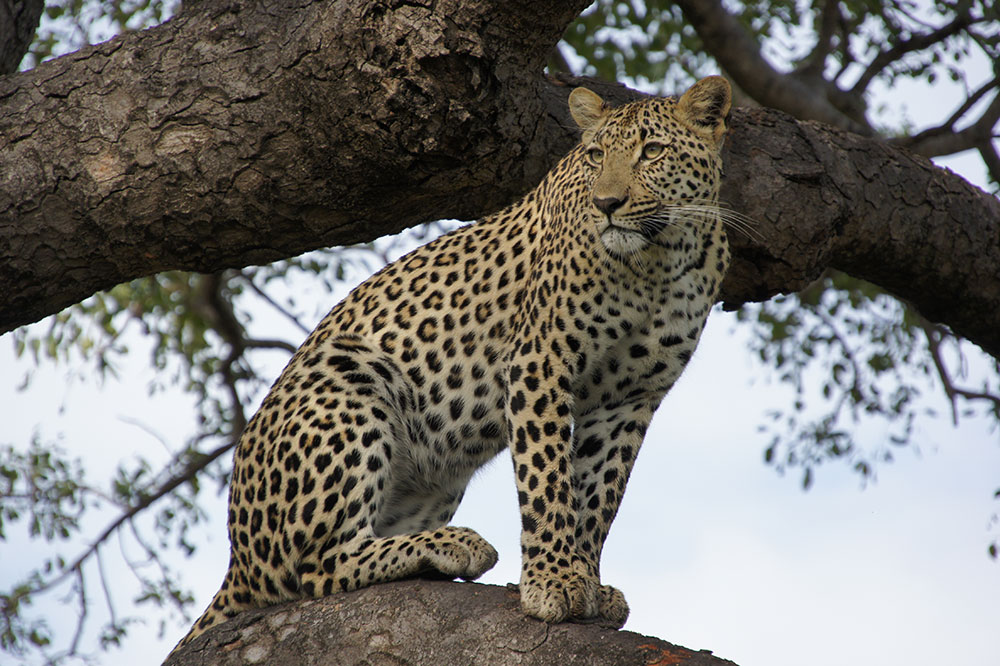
(241, 133)
(18, 22)
(422, 623)
(827, 198)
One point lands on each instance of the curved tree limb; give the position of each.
(229, 137)
(946, 140)
(421, 622)
(827, 198)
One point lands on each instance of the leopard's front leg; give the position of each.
(556, 583)
(606, 442)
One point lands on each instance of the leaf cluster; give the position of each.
(68, 25)
(647, 43)
(861, 365)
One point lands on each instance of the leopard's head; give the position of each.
(653, 167)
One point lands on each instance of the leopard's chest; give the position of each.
(641, 335)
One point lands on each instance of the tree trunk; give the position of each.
(18, 22)
(240, 133)
(422, 622)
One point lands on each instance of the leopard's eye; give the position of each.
(652, 150)
(595, 155)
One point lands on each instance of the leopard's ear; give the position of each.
(587, 109)
(705, 107)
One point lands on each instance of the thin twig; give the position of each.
(270, 301)
(992, 159)
(147, 429)
(190, 470)
(942, 140)
(266, 343)
(934, 347)
(82, 595)
(935, 335)
(848, 351)
(915, 43)
(970, 101)
(104, 585)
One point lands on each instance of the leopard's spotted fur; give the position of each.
(551, 329)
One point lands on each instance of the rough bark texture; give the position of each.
(423, 623)
(828, 198)
(241, 133)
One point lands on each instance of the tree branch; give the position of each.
(82, 620)
(231, 136)
(267, 343)
(914, 43)
(829, 19)
(739, 55)
(274, 304)
(971, 101)
(944, 140)
(826, 198)
(424, 623)
(190, 471)
(991, 158)
(935, 335)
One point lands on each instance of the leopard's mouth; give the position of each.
(610, 225)
(646, 228)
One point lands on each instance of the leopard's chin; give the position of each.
(621, 242)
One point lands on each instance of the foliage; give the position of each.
(49, 492)
(649, 44)
(68, 25)
(853, 355)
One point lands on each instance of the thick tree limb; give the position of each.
(422, 623)
(827, 198)
(234, 136)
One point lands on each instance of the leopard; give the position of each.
(551, 329)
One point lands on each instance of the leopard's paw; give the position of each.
(613, 607)
(460, 552)
(558, 596)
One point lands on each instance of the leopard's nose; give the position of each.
(609, 205)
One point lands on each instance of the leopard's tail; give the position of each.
(232, 599)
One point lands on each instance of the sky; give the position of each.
(712, 548)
